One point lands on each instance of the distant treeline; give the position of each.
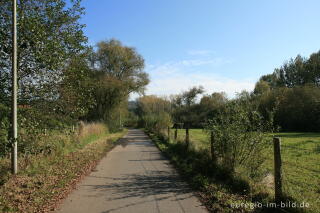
(292, 92)
(289, 98)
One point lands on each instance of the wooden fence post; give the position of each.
(277, 169)
(187, 137)
(213, 156)
(168, 133)
(176, 134)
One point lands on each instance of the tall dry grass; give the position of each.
(54, 143)
(88, 129)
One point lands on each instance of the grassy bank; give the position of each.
(45, 178)
(301, 168)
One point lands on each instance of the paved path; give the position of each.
(134, 177)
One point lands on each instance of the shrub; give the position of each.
(154, 113)
(132, 120)
(239, 141)
(156, 122)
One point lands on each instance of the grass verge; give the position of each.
(47, 178)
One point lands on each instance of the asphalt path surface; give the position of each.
(134, 177)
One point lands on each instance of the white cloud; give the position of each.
(179, 82)
(175, 77)
(199, 52)
(199, 62)
(177, 66)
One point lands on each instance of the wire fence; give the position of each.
(300, 163)
(301, 172)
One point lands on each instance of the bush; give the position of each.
(31, 131)
(59, 141)
(239, 140)
(154, 113)
(132, 120)
(156, 122)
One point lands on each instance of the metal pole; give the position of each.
(14, 137)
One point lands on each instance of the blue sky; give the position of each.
(224, 45)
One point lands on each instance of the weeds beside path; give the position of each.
(48, 178)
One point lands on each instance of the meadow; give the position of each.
(300, 152)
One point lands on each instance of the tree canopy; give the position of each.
(118, 72)
(49, 36)
(296, 72)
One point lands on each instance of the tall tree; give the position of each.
(119, 72)
(121, 63)
(49, 35)
(76, 90)
(292, 73)
(295, 72)
(312, 69)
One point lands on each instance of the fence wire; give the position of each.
(300, 164)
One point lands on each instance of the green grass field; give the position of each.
(199, 139)
(300, 154)
(300, 157)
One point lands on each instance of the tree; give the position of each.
(296, 72)
(118, 72)
(49, 35)
(185, 107)
(121, 63)
(261, 87)
(292, 73)
(76, 90)
(298, 109)
(154, 112)
(312, 71)
(271, 79)
(291, 94)
(210, 104)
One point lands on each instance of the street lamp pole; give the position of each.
(14, 136)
